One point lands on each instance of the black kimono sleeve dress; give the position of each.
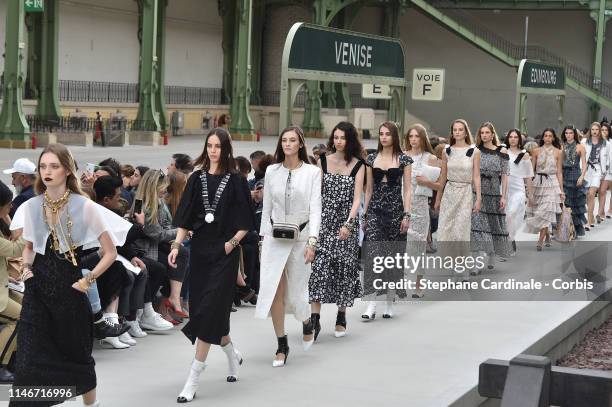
(213, 273)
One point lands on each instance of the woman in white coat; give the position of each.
(290, 223)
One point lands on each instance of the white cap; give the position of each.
(23, 166)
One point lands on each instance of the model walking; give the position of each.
(424, 182)
(290, 223)
(387, 209)
(335, 270)
(216, 207)
(460, 194)
(597, 160)
(489, 232)
(521, 174)
(574, 171)
(55, 334)
(548, 196)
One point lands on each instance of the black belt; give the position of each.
(301, 227)
(542, 174)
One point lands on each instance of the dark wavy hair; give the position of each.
(226, 158)
(353, 145)
(397, 148)
(6, 197)
(520, 137)
(555, 142)
(609, 127)
(573, 129)
(279, 154)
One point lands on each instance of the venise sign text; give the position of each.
(353, 54)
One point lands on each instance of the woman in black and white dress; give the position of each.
(597, 165)
(335, 270)
(290, 223)
(216, 207)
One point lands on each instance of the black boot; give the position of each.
(106, 329)
(283, 347)
(6, 376)
(315, 318)
(340, 321)
(247, 294)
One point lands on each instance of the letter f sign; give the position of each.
(426, 88)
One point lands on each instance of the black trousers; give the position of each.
(132, 296)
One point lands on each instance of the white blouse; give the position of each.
(89, 221)
(292, 197)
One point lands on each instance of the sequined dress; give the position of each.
(547, 199)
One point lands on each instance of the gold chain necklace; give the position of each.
(55, 207)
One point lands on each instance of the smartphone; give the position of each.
(138, 206)
(259, 187)
(91, 168)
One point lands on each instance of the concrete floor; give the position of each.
(427, 355)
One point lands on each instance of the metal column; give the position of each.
(148, 117)
(160, 96)
(14, 130)
(48, 99)
(241, 126)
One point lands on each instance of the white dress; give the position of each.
(517, 200)
(289, 197)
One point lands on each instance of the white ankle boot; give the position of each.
(388, 313)
(191, 385)
(370, 312)
(234, 360)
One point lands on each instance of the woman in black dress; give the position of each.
(216, 207)
(55, 332)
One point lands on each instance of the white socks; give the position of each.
(234, 360)
(148, 309)
(112, 317)
(191, 385)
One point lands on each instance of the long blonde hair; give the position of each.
(152, 184)
(67, 161)
(176, 185)
(424, 138)
(468, 135)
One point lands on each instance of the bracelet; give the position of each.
(84, 284)
(90, 278)
(349, 224)
(24, 273)
(175, 245)
(312, 242)
(234, 242)
(407, 215)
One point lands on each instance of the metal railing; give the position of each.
(272, 98)
(518, 52)
(183, 95)
(105, 92)
(77, 124)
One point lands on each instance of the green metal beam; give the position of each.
(14, 130)
(451, 24)
(48, 100)
(241, 126)
(514, 4)
(259, 17)
(227, 11)
(160, 95)
(32, 80)
(147, 116)
(589, 93)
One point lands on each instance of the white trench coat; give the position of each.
(300, 204)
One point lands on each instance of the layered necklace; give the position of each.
(57, 229)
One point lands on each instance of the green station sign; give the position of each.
(537, 75)
(34, 6)
(319, 49)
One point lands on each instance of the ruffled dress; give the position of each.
(547, 192)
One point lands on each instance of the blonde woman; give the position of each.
(418, 148)
(159, 234)
(460, 195)
(597, 165)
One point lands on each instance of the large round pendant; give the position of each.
(209, 218)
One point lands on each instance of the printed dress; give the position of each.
(489, 232)
(335, 270)
(384, 217)
(547, 192)
(520, 169)
(575, 196)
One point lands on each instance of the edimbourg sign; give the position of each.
(541, 76)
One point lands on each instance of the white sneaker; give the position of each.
(127, 339)
(115, 343)
(155, 322)
(135, 330)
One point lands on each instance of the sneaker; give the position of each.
(115, 343)
(106, 329)
(127, 339)
(155, 322)
(135, 330)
